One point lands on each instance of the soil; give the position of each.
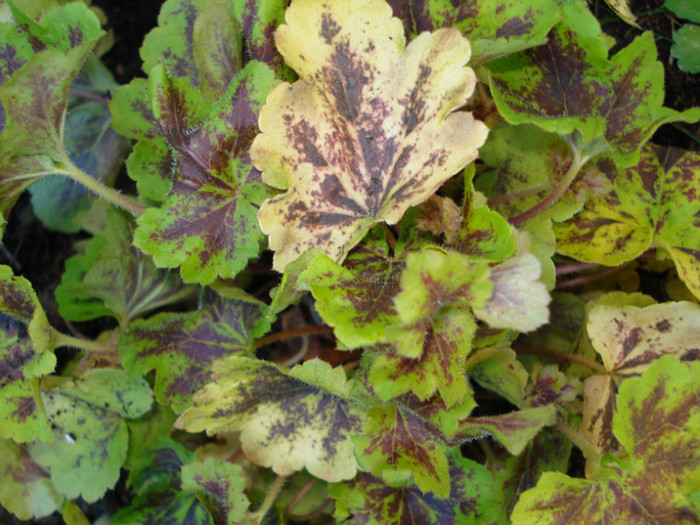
(39, 254)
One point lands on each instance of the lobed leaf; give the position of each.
(157, 481)
(288, 419)
(652, 204)
(658, 422)
(113, 278)
(89, 433)
(366, 133)
(26, 490)
(498, 370)
(207, 225)
(495, 28)
(182, 347)
(259, 19)
(569, 84)
(220, 486)
(370, 501)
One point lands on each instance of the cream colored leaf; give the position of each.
(368, 131)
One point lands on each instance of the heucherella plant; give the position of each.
(336, 295)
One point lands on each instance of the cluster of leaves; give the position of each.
(423, 285)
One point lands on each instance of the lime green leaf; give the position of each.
(396, 443)
(439, 368)
(513, 430)
(495, 28)
(62, 27)
(653, 203)
(519, 300)
(208, 224)
(369, 130)
(259, 19)
(433, 283)
(90, 436)
(657, 423)
(548, 451)
(688, 10)
(629, 339)
(498, 370)
(291, 288)
(182, 347)
(471, 500)
(16, 50)
(114, 278)
(216, 42)
(132, 115)
(157, 482)
(219, 487)
(150, 165)
(357, 299)
(289, 419)
(685, 48)
(22, 415)
(569, 83)
(26, 488)
(171, 43)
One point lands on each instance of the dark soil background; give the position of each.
(39, 254)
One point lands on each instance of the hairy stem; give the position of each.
(566, 269)
(289, 334)
(272, 493)
(72, 171)
(589, 451)
(299, 496)
(561, 355)
(585, 279)
(61, 339)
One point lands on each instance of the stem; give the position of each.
(561, 355)
(72, 171)
(390, 238)
(89, 95)
(270, 497)
(589, 451)
(565, 269)
(584, 279)
(299, 496)
(61, 339)
(289, 334)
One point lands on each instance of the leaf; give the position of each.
(90, 436)
(357, 299)
(652, 204)
(658, 423)
(207, 225)
(145, 431)
(288, 419)
(494, 28)
(115, 279)
(366, 133)
(26, 490)
(181, 347)
(158, 486)
(498, 370)
(397, 443)
(370, 501)
(622, 9)
(72, 514)
(569, 83)
(687, 10)
(220, 486)
(433, 284)
(259, 19)
(439, 368)
(132, 115)
(519, 300)
(550, 385)
(216, 42)
(150, 165)
(513, 430)
(171, 43)
(686, 43)
(21, 411)
(629, 339)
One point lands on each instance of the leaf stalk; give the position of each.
(272, 493)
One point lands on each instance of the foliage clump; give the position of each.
(426, 176)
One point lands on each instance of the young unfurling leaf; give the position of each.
(367, 132)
